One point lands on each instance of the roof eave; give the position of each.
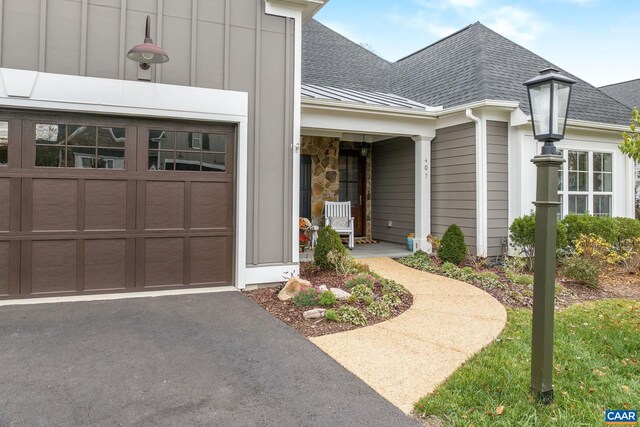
(324, 104)
(308, 7)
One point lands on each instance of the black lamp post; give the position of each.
(549, 95)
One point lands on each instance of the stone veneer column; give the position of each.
(325, 166)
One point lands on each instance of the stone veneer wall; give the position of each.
(325, 179)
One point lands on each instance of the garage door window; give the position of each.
(4, 143)
(187, 151)
(80, 146)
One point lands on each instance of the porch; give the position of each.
(369, 250)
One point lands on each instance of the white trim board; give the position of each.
(271, 273)
(58, 92)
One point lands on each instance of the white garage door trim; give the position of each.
(57, 92)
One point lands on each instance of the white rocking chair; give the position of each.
(337, 215)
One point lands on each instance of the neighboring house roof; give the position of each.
(626, 92)
(473, 64)
(328, 93)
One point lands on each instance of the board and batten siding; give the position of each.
(220, 44)
(393, 189)
(453, 181)
(497, 186)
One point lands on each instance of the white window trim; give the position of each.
(565, 193)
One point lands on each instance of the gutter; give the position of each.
(481, 184)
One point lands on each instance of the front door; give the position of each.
(352, 186)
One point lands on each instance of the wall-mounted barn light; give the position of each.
(147, 53)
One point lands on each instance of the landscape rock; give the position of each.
(340, 294)
(316, 313)
(291, 289)
(322, 288)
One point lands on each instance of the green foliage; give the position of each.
(327, 299)
(630, 144)
(600, 226)
(306, 297)
(362, 279)
(522, 279)
(391, 299)
(352, 315)
(360, 292)
(420, 261)
(580, 270)
(625, 229)
(467, 274)
(380, 309)
(331, 315)
(328, 240)
(452, 247)
(367, 300)
(342, 262)
(391, 287)
(595, 344)
(522, 235)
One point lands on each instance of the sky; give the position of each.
(595, 40)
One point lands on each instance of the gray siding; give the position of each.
(497, 185)
(453, 181)
(393, 189)
(221, 44)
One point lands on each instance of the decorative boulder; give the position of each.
(340, 294)
(292, 287)
(316, 313)
(322, 288)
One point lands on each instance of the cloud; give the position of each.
(516, 24)
(446, 4)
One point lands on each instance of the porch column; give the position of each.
(423, 193)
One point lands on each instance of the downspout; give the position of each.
(481, 185)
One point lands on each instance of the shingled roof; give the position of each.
(626, 92)
(473, 64)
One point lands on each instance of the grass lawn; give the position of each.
(596, 368)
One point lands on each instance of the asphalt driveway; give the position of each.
(209, 359)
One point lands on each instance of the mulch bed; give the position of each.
(615, 285)
(292, 315)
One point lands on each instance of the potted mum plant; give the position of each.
(304, 225)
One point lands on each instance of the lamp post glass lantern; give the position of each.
(549, 95)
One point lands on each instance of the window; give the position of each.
(586, 185)
(187, 151)
(4, 144)
(79, 146)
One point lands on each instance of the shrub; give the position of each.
(362, 279)
(522, 279)
(420, 261)
(579, 224)
(331, 315)
(327, 299)
(360, 292)
(392, 300)
(391, 287)
(581, 271)
(342, 262)
(352, 315)
(514, 266)
(306, 297)
(522, 235)
(626, 229)
(597, 251)
(380, 309)
(328, 240)
(452, 247)
(368, 300)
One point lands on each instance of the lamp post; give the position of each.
(549, 95)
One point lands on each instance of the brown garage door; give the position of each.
(95, 204)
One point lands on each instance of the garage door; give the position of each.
(95, 204)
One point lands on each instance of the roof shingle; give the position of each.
(627, 93)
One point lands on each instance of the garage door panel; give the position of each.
(55, 204)
(4, 268)
(163, 262)
(53, 266)
(209, 205)
(5, 206)
(164, 208)
(208, 260)
(105, 264)
(105, 205)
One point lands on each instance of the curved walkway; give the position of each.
(406, 357)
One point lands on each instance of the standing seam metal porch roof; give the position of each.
(311, 91)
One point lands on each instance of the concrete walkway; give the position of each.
(406, 357)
